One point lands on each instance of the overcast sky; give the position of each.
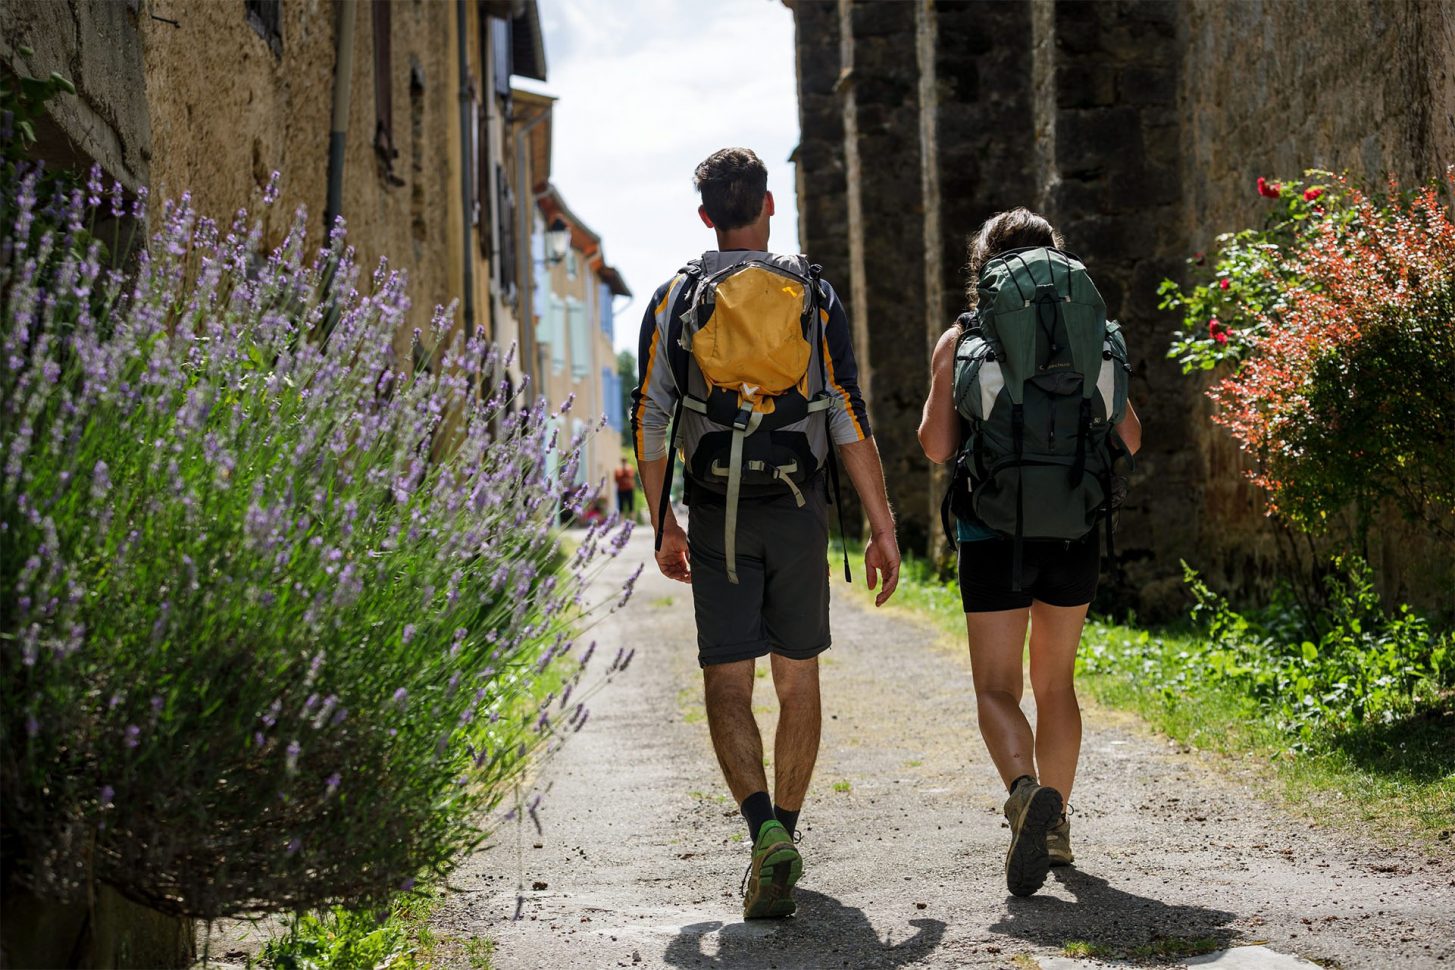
(647, 89)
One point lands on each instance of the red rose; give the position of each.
(1223, 283)
(1217, 331)
(1269, 190)
(1310, 194)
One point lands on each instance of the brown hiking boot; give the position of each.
(1031, 811)
(1058, 843)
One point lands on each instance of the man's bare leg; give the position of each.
(795, 746)
(735, 737)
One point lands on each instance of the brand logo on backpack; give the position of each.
(1041, 378)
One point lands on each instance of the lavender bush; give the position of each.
(280, 621)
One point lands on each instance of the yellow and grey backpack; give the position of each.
(746, 348)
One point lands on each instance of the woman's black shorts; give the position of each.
(1054, 571)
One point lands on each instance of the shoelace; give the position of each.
(743, 886)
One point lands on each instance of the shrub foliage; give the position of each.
(280, 619)
(1338, 322)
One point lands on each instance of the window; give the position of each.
(505, 223)
(580, 338)
(384, 149)
(552, 332)
(611, 397)
(603, 300)
(571, 264)
(266, 17)
(501, 46)
(417, 201)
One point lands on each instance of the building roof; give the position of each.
(583, 238)
(531, 115)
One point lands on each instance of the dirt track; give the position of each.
(641, 850)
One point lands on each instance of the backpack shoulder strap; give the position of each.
(818, 310)
(677, 358)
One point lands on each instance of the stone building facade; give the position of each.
(211, 98)
(576, 293)
(1139, 128)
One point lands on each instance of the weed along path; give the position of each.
(640, 851)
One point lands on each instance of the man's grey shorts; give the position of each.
(780, 603)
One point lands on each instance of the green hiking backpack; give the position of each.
(1040, 377)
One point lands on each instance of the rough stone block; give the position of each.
(1085, 85)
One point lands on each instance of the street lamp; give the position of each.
(558, 238)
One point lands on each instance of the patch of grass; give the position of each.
(913, 764)
(1394, 779)
(344, 939)
(760, 672)
(843, 787)
(694, 717)
(663, 602)
(480, 953)
(1025, 962)
(1086, 950)
(1172, 947)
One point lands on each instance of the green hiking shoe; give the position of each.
(1058, 843)
(776, 866)
(1031, 811)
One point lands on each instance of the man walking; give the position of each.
(747, 365)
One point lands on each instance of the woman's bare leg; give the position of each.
(997, 644)
(1055, 635)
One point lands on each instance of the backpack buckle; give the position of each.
(745, 415)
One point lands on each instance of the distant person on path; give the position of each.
(747, 366)
(626, 489)
(1028, 400)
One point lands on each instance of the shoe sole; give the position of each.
(1027, 861)
(776, 877)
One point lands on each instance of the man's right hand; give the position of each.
(673, 558)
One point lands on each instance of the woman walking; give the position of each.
(1010, 576)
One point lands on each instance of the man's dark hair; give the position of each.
(1017, 229)
(733, 182)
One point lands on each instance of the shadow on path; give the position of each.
(825, 933)
(1108, 916)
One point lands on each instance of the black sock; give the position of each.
(789, 819)
(758, 810)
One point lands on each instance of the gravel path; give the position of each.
(641, 851)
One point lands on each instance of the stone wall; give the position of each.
(97, 46)
(1138, 127)
(227, 111)
(1270, 89)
